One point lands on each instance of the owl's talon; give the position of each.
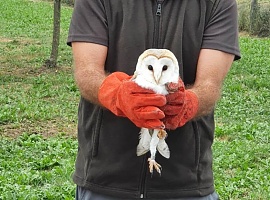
(153, 164)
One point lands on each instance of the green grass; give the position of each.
(38, 105)
(38, 112)
(36, 168)
(241, 149)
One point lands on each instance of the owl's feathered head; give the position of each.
(157, 66)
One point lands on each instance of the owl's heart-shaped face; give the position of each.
(157, 70)
(157, 66)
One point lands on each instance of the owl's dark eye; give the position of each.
(164, 68)
(150, 67)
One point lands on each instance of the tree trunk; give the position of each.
(254, 8)
(52, 62)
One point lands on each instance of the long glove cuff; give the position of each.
(109, 90)
(191, 107)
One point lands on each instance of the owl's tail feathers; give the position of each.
(141, 150)
(163, 148)
(144, 143)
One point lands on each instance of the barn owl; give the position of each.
(155, 68)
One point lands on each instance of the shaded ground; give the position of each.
(18, 68)
(44, 128)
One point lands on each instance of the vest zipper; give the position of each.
(158, 13)
(143, 178)
(155, 45)
(157, 24)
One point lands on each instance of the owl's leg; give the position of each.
(153, 149)
(162, 134)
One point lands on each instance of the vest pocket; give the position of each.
(197, 144)
(97, 132)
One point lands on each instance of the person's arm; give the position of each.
(89, 61)
(199, 99)
(212, 68)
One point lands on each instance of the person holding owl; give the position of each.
(107, 37)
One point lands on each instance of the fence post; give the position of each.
(254, 9)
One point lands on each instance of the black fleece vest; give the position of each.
(107, 161)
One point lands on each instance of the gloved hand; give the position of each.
(182, 105)
(125, 98)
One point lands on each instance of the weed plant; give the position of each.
(261, 21)
(39, 107)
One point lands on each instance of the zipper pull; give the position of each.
(141, 196)
(158, 13)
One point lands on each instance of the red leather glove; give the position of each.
(125, 98)
(182, 105)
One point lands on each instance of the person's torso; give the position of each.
(107, 160)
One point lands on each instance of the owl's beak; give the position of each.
(157, 76)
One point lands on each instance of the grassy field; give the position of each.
(39, 106)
